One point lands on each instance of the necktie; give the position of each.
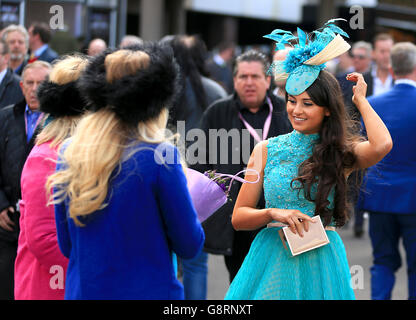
(32, 58)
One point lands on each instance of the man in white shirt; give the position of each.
(382, 78)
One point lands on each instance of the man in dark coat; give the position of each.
(10, 92)
(17, 135)
(219, 66)
(230, 142)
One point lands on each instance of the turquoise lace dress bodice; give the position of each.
(284, 156)
(269, 271)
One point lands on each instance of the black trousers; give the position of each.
(8, 252)
(241, 245)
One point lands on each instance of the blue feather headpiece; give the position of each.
(308, 57)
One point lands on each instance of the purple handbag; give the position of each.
(207, 196)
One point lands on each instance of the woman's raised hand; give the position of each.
(296, 220)
(360, 88)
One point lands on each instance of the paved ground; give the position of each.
(359, 258)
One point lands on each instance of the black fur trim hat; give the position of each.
(60, 100)
(138, 97)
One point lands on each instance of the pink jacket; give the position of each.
(40, 267)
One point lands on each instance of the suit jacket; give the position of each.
(221, 74)
(49, 55)
(10, 91)
(390, 186)
(14, 150)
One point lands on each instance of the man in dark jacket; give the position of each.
(228, 125)
(39, 37)
(17, 136)
(10, 91)
(219, 66)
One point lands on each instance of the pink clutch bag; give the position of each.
(315, 237)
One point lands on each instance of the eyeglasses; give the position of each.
(359, 56)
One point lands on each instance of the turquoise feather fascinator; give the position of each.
(308, 57)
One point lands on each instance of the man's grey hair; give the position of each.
(18, 28)
(36, 64)
(363, 45)
(4, 47)
(403, 58)
(252, 56)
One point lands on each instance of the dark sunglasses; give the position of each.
(359, 56)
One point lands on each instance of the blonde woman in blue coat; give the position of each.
(121, 200)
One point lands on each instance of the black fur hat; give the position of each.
(60, 100)
(137, 97)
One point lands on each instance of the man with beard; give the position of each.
(17, 39)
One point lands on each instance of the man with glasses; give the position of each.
(361, 53)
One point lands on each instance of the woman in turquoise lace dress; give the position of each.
(303, 174)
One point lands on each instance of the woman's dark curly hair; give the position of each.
(332, 155)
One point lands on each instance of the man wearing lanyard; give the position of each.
(17, 135)
(232, 127)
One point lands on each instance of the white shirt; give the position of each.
(218, 60)
(40, 50)
(405, 81)
(3, 74)
(378, 86)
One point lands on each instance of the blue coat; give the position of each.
(49, 55)
(390, 185)
(124, 251)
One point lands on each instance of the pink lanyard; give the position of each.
(266, 124)
(36, 124)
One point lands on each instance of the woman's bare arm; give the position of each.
(246, 216)
(379, 142)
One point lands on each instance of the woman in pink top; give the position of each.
(40, 266)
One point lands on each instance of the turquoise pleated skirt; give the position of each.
(270, 272)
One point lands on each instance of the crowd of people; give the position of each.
(87, 210)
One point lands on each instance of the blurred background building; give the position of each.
(240, 21)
